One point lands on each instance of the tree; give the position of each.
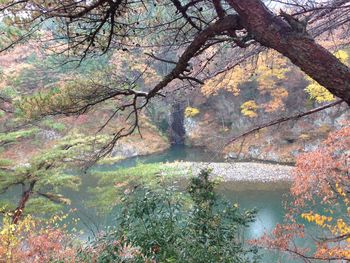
(319, 93)
(268, 72)
(286, 36)
(42, 179)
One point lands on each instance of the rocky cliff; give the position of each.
(220, 119)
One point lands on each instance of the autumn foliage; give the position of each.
(267, 71)
(320, 197)
(320, 93)
(271, 72)
(35, 241)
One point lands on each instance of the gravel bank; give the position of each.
(239, 172)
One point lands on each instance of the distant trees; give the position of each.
(269, 73)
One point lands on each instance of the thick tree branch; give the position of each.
(22, 202)
(274, 32)
(218, 9)
(228, 23)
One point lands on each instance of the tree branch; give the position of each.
(182, 10)
(220, 26)
(274, 32)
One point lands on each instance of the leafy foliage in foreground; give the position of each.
(165, 225)
(35, 241)
(321, 196)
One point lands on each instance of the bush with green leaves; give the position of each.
(169, 225)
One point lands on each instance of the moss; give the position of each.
(53, 124)
(111, 185)
(5, 163)
(14, 136)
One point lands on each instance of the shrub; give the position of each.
(319, 196)
(249, 109)
(35, 241)
(166, 225)
(191, 112)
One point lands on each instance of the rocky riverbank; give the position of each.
(239, 171)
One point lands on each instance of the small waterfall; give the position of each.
(177, 130)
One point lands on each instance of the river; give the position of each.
(266, 197)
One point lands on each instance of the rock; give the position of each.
(49, 135)
(124, 151)
(278, 143)
(190, 124)
(323, 120)
(310, 147)
(339, 122)
(272, 156)
(295, 153)
(254, 151)
(232, 155)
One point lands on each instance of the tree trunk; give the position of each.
(273, 32)
(22, 203)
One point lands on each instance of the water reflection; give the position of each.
(266, 197)
(265, 222)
